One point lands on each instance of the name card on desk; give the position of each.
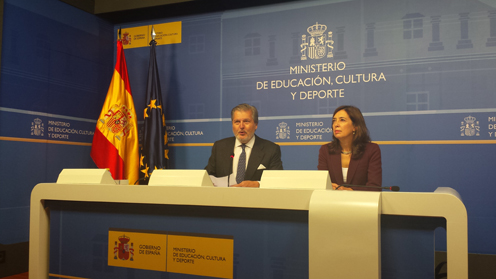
(296, 179)
(194, 254)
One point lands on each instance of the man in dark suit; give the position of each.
(245, 155)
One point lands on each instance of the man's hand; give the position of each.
(248, 183)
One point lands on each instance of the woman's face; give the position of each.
(342, 126)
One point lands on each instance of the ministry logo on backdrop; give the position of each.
(470, 127)
(37, 127)
(282, 131)
(318, 43)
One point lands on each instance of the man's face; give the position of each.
(243, 125)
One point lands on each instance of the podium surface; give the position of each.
(331, 215)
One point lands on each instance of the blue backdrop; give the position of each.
(422, 72)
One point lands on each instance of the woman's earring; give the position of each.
(354, 132)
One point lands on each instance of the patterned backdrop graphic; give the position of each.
(422, 72)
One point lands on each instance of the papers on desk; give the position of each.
(222, 181)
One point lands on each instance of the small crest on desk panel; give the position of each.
(122, 250)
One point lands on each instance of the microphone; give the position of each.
(231, 171)
(392, 188)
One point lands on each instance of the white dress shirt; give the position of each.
(237, 153)
(345, 174)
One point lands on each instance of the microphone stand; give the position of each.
(231, 171)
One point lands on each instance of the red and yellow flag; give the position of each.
(115, 143)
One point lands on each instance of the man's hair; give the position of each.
(246, 107)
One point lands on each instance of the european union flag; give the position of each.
(154, 151)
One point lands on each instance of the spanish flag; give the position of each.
(115, 143)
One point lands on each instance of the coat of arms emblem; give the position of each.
(118, 121)
(282, 131)
(317, 44)
(37, 127)
(122, 250)
(126, 38)
(470, 127)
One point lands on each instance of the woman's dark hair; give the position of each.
(360, 138)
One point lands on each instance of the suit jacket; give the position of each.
(264, 152)
(364, 171)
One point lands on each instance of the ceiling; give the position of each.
(122, 11)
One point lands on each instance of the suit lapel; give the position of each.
(256, 157)
(230, 147)
(225, 160)
(352, 170)
(338, 171)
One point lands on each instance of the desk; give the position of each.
(358, 219)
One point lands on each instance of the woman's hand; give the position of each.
(338, 187)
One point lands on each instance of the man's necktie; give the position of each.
(240, 175)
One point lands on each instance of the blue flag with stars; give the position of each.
(154, 150)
